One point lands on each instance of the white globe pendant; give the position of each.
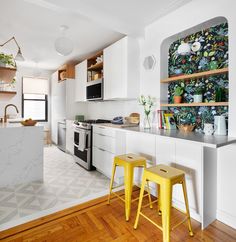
(63, 45)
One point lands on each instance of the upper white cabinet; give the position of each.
(121, 70)
(80, 81)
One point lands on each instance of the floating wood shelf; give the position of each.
(212, 104)
(7, 73)
(195, 75)
(96, 66)
(8, 92)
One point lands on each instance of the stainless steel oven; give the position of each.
(83, 142)
(82, 146)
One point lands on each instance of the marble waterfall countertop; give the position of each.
(214, 141)
(21, 154)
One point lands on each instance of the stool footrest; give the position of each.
(149, 203)
(118, 196)
(178, 224)
(158, 226)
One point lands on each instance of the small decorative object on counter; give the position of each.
(197, 97)
(178, 94)
(186, 127)
(208, 129)
(220, 125)
(28, 122)
(170, 121)
(147, 103)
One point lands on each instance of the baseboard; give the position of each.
(226, 218)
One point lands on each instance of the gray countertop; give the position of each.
(214, 141)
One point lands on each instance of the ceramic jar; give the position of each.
(197, 98)
(208, 129)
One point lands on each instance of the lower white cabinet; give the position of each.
(107, 143)
(70, 136)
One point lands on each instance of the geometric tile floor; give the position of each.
(64, 181)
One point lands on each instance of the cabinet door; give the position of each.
(70, 136)
(58, 104)
(114, 70)
(80, 81)
(189, 159)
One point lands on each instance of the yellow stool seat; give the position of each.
(165, 177)
(128, 162)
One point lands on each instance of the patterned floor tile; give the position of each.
(64, 181)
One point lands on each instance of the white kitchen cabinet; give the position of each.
(70, 136)
(121, 70)
(80, 81)
(143, 145)
(107, 143)
(58, 104)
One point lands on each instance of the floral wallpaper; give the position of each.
(206, 50)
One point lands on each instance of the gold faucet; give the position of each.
(5, 111)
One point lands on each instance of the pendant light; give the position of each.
(63, 45)
(19, 56)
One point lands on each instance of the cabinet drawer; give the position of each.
(104, 142)
(103, 161)
(104, 131)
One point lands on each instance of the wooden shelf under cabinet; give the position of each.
(195, 75)
(96, 66)
(8, 92)
(212, 104)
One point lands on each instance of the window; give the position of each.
(35, 99)
(35, 106)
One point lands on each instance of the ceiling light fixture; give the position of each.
(19, 56)
(63, 45)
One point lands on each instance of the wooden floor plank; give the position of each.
(98, 222)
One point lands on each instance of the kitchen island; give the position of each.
(21, 154)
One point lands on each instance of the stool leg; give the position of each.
(111, 182)
(149, 195)
(187, 207)
(166, 196)
(140, 200)
(129, 173)
(148, 190)
(159, 199)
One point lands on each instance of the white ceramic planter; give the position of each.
(197, 98)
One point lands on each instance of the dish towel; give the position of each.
(82, 140)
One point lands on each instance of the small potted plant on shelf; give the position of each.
(7, 60)
(197, 97)
(178, 91)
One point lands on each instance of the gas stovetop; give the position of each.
(87, 124)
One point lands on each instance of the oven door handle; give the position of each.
(78, 147)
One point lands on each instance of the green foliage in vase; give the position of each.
(147, 103)
(198, 91)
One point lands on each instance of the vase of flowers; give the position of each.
(197, 97)
(147, 103)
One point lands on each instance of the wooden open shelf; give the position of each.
(8, 92)
(96, 66)
(7, 73)
(195, 75)
(213, 104)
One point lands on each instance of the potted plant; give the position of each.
(178, 91)
(197, 97)
(7, 60)
(147, 103)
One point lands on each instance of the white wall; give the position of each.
(17, 99)
(188, 16)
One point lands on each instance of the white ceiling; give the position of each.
(93, 24)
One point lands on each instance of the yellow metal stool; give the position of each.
(165, 177)
(129, 162)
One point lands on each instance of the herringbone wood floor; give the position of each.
(97, 221)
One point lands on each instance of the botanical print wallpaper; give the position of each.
(206, 50)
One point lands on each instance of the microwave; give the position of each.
(94, 90)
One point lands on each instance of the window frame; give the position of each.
(31, 99)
